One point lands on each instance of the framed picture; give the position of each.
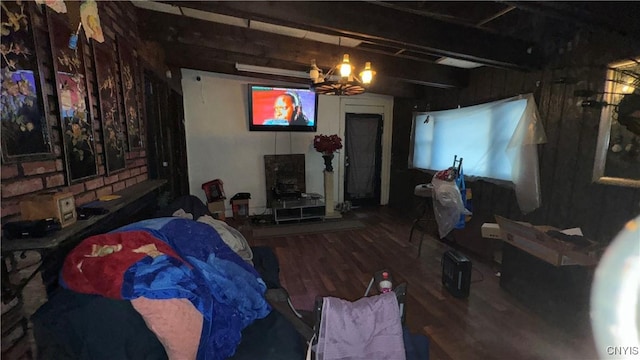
(25, 131)
(76, 120)
(113, 135)
(129, 79)
(617, 160)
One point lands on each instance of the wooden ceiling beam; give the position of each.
(223, 62)
(294, 52)
(583, 17)
(384, 26)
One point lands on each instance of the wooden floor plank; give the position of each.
(489, 324)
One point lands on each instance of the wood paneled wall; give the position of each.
(569, 197)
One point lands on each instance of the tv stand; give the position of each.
(299, 209)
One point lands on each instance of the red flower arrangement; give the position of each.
(327, 144)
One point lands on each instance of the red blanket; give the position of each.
(98, 264)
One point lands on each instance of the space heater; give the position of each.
(456, 273)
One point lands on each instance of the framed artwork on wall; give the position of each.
(113, 134)
(25, 131)
(617, 160)
(76, 120)
(129, 80)
(142, 111)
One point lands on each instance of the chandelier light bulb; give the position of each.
(346, 85)
(345, 67)
(367, 74)
(628, 88)
(314, 72)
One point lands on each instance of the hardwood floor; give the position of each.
(489, 324)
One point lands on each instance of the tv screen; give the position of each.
(282, 108)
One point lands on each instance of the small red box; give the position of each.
(214, 190)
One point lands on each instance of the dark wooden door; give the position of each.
(363, 159)
(178, 143)
(166, 150)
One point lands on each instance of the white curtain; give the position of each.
(497, 140)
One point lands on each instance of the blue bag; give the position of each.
(463, 192)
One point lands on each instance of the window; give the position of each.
(496, 140)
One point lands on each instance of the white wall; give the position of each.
(220, 145)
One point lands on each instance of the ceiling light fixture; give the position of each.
(458, 63)
(271, 71)
(340, 80)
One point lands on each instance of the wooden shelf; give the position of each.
(302, 209)
(128, 196)
(135, 202)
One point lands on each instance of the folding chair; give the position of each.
(308, 323)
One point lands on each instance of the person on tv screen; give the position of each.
(287, 110)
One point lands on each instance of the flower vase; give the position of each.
(327, 162)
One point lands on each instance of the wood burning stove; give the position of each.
(285, 177)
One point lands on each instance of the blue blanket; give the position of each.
(173, 258)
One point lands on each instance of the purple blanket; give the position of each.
(369, 328)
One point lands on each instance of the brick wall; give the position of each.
(118, 18)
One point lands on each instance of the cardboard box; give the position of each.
(491, 231)
(57, 205)
(535, 241)
(217, 209)
(240, 208)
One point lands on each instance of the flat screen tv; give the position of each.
(282, 108)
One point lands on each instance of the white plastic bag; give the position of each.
(447, 205)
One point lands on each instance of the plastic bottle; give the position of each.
(385, 284)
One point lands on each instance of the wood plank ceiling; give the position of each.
(405, 41)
